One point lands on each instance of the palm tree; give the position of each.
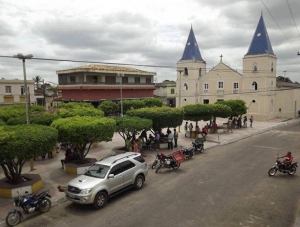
(37, 80)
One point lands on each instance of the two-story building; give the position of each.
(96, 83)
(13, 92)
(166, 92)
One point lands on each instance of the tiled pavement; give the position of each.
(53, 175)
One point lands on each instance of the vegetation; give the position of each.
(7, 112)
(238, 106)
(132, 105)
(40, 119)
(22, 142)
(72, 109)
(128, 127)
(284, 79)
(83, 131)
(152, 102)
(161, 117)
(109, 107)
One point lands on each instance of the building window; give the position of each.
(206, 86)
(148, 80)
(72, 79)
(22, 90)
(95, 79)
(137, 80)
(254, 86)
(172, 91)
(205, 101)
(8, 90)
(185, 87)
(220, 100)
(235, 85)
(272, 67)
(255, 67)
(220, 85)
(125, 80)
(110, 79)
(200, 73)
(186, 72)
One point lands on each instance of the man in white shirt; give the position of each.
(170, 140)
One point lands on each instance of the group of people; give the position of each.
(190, 127)
(70, 155)
(237, 122)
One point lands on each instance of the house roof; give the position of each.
(260, 43)
(191, 50)
(107, 69)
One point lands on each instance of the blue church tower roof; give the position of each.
(260, 42)
(191, 50)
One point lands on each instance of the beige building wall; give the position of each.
(188, 86)
(15, 95)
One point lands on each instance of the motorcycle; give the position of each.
(280, 166)
(28, 203)
(199, 145)
(166, 161)
(188, 152)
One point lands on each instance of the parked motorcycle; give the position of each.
(29, 204)
(166, 161)
(281, 167)
(188, 152)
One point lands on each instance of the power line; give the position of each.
(293, 17)
(140, 65)
(277, 24)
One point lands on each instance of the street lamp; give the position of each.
(22, 57)
(121, 92)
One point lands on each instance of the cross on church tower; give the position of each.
(221, 57)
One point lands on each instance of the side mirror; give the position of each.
(111, 176)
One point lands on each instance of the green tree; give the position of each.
(109, 107)
(37, 81)
(39, 119)
(72, 109)
(132, 105)
(22, 142)
(161, 117)
(237, 106)
(152, 102)
(127, 127)
(7, 112)
(83, 131)
(197, 112)
(284, 79)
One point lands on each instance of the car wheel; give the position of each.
(100, 200)
(139, 182)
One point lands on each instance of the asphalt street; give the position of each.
(224, 187)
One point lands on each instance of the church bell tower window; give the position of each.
(186, 72)
(254, 86)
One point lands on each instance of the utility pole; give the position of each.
(179, 93)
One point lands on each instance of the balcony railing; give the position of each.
(103, 83)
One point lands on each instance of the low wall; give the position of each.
(77, 167)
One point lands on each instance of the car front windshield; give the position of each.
(97, 170)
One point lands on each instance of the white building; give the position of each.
(257, 86)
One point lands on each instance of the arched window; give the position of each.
(186, 72)
(185, 87)
(254, 86)
(200, 73)
(255, 67)
(272, 67)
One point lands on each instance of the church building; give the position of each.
(265, 97)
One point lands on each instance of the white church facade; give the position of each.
(265, 97)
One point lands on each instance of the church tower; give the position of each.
(259, 75)
(189, 70)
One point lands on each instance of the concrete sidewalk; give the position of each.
(53, 175)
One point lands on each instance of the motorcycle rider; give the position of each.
(288, 159)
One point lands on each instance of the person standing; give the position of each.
(185, 128)
(175, 137)
(170, 140)
(229, 125)
(251, 121)
(245, 122)
(191, 129)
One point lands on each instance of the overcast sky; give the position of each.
(141, 32)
